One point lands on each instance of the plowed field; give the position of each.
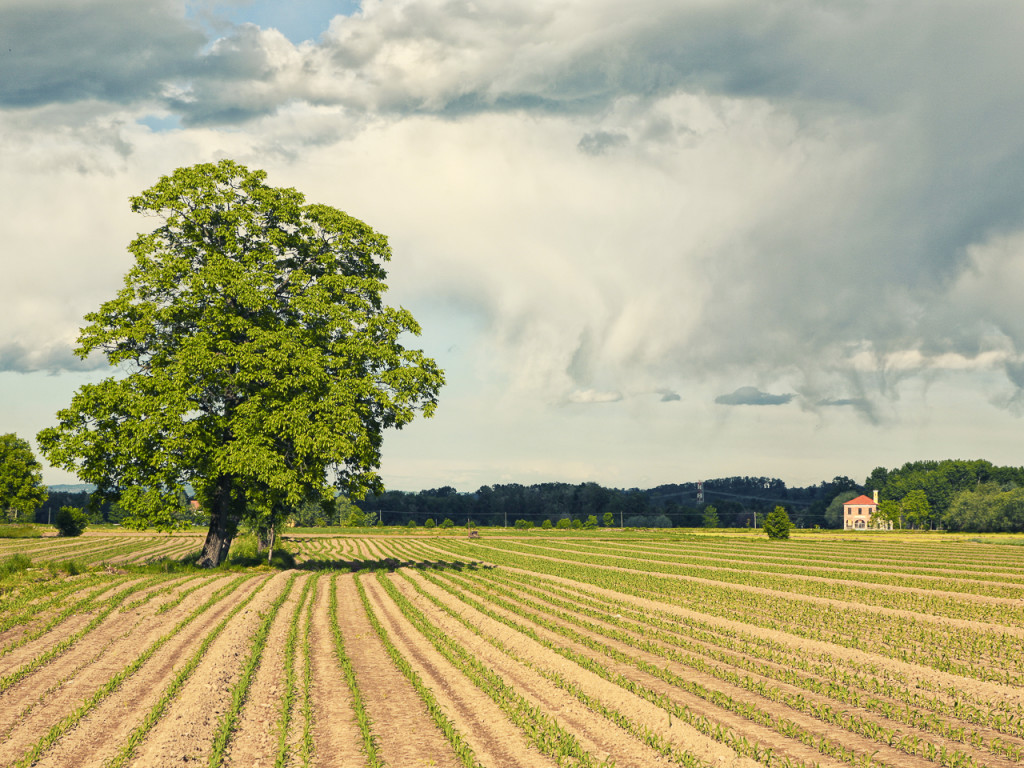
(611, 648)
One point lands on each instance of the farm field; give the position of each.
(598, 648)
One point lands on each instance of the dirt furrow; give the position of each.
(595, 733)
(255, 738)
(104, 729)
(492, 736)
(929, 678)
(185, 733)
(635, 706)
(335, 733)
(407, 735)
(848, 738)
(70, 677)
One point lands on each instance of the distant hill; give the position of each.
(79, 488)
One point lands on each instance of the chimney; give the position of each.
(876, 497)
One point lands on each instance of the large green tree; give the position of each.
(21, 479)
(257, 361)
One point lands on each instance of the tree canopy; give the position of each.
(21, 479)
(257, 361)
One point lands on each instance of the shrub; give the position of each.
(411, 524)
(524, 525)
(591, 522)
(565, 522)
(448, 523)
(547, 524)
(577, 524)
(609, 519)
(71, 521)
(430, 523)
(777, 524)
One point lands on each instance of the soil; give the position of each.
(406, 734)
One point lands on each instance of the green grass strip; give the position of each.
(112, 685)
(462, 749)
(135, 739)
(373, 760)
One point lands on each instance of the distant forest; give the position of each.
(957, 495)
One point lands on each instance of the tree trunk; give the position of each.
(270, 549)
(223, 525)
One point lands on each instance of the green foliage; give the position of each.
(591, 522)
(411, 524)
(429, 523)
(448, 523)
(576, 524)
(916, 509)
(21, 480)
(257, 357)
(356, 518)
(710, 518)
(245, 553)
(888, 512)
(71, 521)
(777, 524)
(546, 525)
(524, 525)
(834, 512)
(608, 519)
(990, 507)
(564, 523)
(16, 563)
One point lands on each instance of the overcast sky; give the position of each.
(649, 242)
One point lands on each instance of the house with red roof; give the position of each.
(858, 514)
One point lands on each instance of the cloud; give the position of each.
(15, 357)
(590, 396)
(753, 396)
(668, 396)
(797, 193)
(68, 51)
(599, 142)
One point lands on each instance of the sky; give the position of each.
(649, 242)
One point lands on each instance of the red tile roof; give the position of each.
(860, 501)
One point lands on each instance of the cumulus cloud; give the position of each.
(752, 396)
(16, 357)
(827, 196)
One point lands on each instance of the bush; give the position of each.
(448, 523)
(591, 523)
(524, 525)
(777, 524)
(71, 521)
(547, 525)
(565, 522)
(577, 524)
(430, 523)
(411, 524)
(609, 519)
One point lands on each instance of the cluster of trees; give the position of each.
(952, 494)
